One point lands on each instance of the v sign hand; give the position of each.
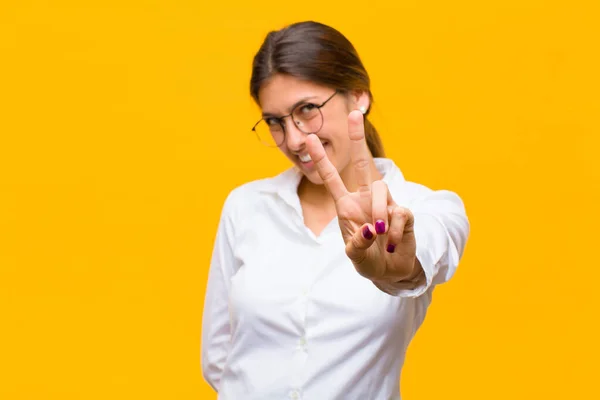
(378, 233)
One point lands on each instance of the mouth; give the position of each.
(305, 158)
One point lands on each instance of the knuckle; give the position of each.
(344, 214)
(394, 231)
(357, 241)
(351, 253)
(362, 163)
(400, 213)
(327, 174)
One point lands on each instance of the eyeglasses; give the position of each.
(307, 117)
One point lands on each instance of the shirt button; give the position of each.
(294, 394)
(302, 344)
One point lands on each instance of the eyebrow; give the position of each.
(296, 104)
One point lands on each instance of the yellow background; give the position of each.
(124, 124)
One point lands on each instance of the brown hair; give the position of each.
(318, 53)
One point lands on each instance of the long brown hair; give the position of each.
(318, 53)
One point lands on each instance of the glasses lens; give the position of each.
(269, 133)
(308, 118)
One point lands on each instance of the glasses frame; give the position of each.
(280, 120)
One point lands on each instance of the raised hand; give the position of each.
(378, 233)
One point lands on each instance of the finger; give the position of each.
(362, 239)
(359, 151)
(402, 222)
(380, 193)
(330, 176)
(390, 201)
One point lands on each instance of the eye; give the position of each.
(307, 108)
(272, 121)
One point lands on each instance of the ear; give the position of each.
(360, 101)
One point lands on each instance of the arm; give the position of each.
(434, 231)
(441, 229)
(215, 318)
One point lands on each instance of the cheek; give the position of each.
(338, 123)
(337, 134)
(285, 151)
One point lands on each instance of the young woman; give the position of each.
(321, 275)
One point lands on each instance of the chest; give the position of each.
(287, 284)
(317, 218)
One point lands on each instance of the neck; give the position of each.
(315, 194)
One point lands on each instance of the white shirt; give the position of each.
(287, 316)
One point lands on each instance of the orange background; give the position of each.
(124, 124)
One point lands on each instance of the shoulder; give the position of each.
(244, 196)
(251, 197)
(420, 198)
(409, 192)
(249, 190)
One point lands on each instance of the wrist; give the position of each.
(415, 274)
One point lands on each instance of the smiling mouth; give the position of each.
(306, 158)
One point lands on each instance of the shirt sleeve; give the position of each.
(441, 231)
(215, 319)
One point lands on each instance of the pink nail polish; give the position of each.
(391, 248)
(367, 233)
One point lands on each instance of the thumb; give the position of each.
(363, 238)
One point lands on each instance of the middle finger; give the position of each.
(379, 192)
(359, 150)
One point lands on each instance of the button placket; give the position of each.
(300, 356)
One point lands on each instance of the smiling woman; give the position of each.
(321, 276)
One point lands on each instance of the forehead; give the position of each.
(282, 91)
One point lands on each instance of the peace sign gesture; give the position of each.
(378, 233)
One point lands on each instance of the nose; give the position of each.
(294, 137)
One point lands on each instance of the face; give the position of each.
(281, 92)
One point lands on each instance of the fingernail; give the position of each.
(380, 226)
(390, 248)
(367, 233)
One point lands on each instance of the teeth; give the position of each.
(305, 157)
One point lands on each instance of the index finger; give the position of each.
(330, 176)
(359, 151)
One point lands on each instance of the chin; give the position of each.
(314, 178)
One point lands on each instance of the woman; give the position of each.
(321, 275)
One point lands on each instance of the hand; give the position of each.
(378, 233)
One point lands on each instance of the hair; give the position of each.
(318, 53)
